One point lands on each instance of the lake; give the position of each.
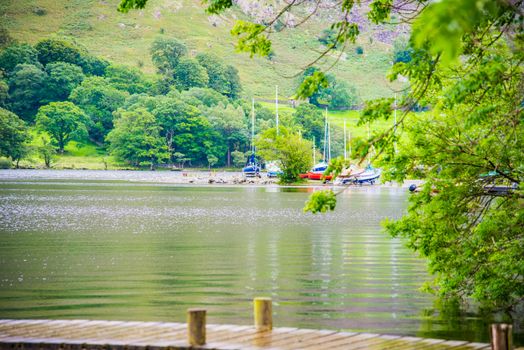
(125, 246)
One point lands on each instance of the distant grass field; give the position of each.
(126, 38)
(77, 155)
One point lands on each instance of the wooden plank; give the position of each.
(171, 335)
(357, 338)
(362, 344)
(409, 343)
(381, 342)
(266, 339)
(100, 331)
(329, 339)
(47, 329)
(299, 340)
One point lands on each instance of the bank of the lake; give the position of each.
(133, 246)
(186, 177)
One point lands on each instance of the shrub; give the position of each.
(39, 11)
(5, 163)
(359, 50)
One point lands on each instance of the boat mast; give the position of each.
(328, 137)
(345, 145)
(349, 137)
(325, 138)
(252, 125)
(395, 125)
(372, 155)
(276, 106)
(314, 151)
(329, 142)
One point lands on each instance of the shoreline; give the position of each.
(196, 177)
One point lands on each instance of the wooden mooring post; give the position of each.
(196, 326)
(263, 314)
(501, 336)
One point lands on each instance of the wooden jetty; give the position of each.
(89, 334)
(83, 334)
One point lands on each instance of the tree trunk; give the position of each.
(228, 157)
(61, 146)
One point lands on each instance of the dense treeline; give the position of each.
(190, 113)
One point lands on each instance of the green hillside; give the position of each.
(126, 38)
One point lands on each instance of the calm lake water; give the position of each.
(77, 244)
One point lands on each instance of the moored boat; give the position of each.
(317, 172)
(252, 167)
(355, 175)
(273, 170)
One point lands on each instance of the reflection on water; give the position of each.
(131, 251)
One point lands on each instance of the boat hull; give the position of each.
(251, 171)
(318, 176)
(369, 176)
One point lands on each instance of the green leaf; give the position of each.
(311, 84)
(126, 5)
(251, 38)
(217, 6)
(321, 202)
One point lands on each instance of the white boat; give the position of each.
(355, 175)
(273, 170)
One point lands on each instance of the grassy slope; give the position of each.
(126, 38)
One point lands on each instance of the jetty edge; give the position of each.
(196, 334)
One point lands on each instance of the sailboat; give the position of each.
(272, 167)
(252, 167)
(317, 172)
(356, 175)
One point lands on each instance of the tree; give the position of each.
(54, 50)
(16, 54)
(239, 158)
(27, 90)
(136, 139)
(212, 160)
(228, 121)
(336, 94)
(4, 93)
(291, 149)
(308, 73)
(98, 99)
(183, 127)
(234, 87)
(127, 79)
(47, 151)
(92, 65)
(166, 53)
(63, 121)
(203, 96)
(170, 113)
(340, 95)
(222, 78)
(13, 136)
(311, 122)
(216, 71)
(62, 79)
(189, 73)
